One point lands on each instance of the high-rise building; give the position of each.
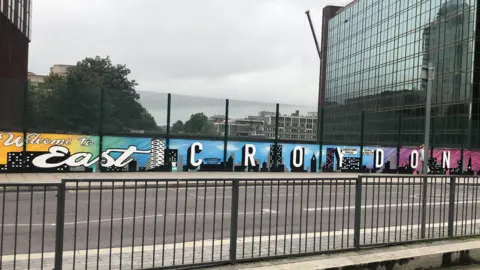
(15, 29)
(374, 52)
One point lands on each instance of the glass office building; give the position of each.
(375, 50)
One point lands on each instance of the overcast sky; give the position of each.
(240, 49)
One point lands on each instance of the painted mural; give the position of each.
(85, 153)
(48, 152)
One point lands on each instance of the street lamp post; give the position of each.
(428, 73)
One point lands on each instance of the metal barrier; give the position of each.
(117, 224)
(27, 232)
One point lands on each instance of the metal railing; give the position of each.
(117, 224)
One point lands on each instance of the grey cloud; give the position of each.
(249, 49)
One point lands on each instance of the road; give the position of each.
(113, 218)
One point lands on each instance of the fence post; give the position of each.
(275, 157)
(169, 107)
(358, 212)
(234, 221)
(451, 206)
(225, 135)
(25, 123)
(59, 226)
(320, 134)
(100, 128)
(424, 207)
(399, 139)
(462, 152)
(362, 131)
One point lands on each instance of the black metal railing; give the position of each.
(138, 224)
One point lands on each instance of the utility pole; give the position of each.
(320, 110)
(428, 74)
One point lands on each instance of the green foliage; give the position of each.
(199, 124)
(178, 127)
(73, 102)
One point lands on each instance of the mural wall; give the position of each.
(85, 153)
(48, 152)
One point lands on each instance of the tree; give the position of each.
(178, 127)
(95, 84)
(199, 124)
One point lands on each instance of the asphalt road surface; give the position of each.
(129, 217)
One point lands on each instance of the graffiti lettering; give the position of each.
(85, 159)
(11, 140)
(33, 138)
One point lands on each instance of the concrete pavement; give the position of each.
(453, 254)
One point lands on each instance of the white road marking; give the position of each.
(226, 241)
(265, 194)
(81, 221)
(106, 220)
(386, 205)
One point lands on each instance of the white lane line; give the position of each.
(179, 215)
(229, 197)
(226, 213)
(82, 221)
(385, 205)
(210, 242)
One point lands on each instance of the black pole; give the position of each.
(432, 136)
(320, 109)
(462, 151)
(59, 229)
(225, 135)
(100, 128)
(399, 139)
(169, 107)
(320, 135)
(25, 116)
(362, 131)
(275, 156)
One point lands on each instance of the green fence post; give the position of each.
(225, 135)
(275, 142)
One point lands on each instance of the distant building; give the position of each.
(291, 127)
(37, 79)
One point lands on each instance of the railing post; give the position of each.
(451, 206)
(424, 207)
(358, 212)
(60, 219)
(234, 222)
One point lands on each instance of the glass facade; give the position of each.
(375, 53)
(19, 13)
